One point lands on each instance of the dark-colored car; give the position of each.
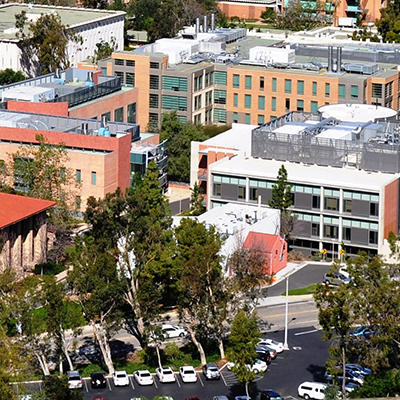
(211, 371)
(272, 352)
(98, 380)
(358, 368)
(269, 395)
(264, 355)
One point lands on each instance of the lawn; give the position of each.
(307, 290)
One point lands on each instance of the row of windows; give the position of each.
(78, 175)
(174, 83)
(128, 63)
(127, 78)
(360, 196)
(229, 179)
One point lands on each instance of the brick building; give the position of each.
(23, 232)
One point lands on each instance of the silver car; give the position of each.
(74, 380)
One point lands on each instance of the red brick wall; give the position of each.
(241, 11)
(39, 108)
(391, 212)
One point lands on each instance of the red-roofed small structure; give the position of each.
(23, 232)
(273, 246)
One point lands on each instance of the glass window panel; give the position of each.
(234, 181)
(365, 197)
(364, 225)
(356, 196)
(242, 181)
(217, 179)
(226, 179)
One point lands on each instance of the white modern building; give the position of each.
(93, 26)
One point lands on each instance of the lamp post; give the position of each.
(285, 344)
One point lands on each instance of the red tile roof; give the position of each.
(14, 208)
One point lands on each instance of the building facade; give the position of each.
(23, 232)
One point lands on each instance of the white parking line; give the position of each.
(109, 386)
(87, 390)
(131, 380)
(177, 381)
(155, 383)
(202, 384)
(223, 379)
(306, 332)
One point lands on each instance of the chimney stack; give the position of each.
(339, 60)
(197, 25)
(330, 58)
(205, 27)
(212, 22)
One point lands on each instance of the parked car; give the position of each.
(264, 355)
(120, 378)
(211, 371)
(358, 368)
(188, 374)
(362, 332)
(257, 367)
(312, 390)
(90, 351)
(165, 375)
(349, 379)
(336, 278)
(143, 377)
(271, 351)
(269, 395)
(220, 398)
(173, 331)
(242, 398)
(97, 380)
(273, 344)
(74, 380)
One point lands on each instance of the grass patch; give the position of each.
(307, 290)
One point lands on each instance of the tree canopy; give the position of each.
(8, 76)
(389, 23)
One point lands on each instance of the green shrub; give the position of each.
(89, 369)
(49, 268)
(386, 384)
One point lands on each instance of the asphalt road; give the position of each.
(304, 360)
(311, 273)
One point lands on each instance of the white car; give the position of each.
(165, 375)
(120, 378)
(273, 344)
(257, 367)
(312, 390)
(188, 374)
(143, 377)
(173, 331)
(74, 380)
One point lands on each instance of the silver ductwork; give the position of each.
(330, 58)
(339, 59)
(197, 25)
(205, 27)
(212, 22)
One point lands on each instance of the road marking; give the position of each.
(131, 380)
(296, 347)
(109, 386)
(86, 386)
(177, 381)
(306, 332)
(281, 305)
(292, 313)
(155, 383)
(223, 379)
(202, 384)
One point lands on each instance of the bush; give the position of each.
(386, 384)
(49, 268)
(89, 369)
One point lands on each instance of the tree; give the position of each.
(56, 387)
(282, 199)
(202, 300)
(104, 50)
(39, 171)
(243, 338)
(389, 23)
(179, 137)
(10, 76)
(269, 15)
(43, 43)
(196, 200)
(95, 282)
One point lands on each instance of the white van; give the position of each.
(312, 390)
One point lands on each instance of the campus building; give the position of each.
(247, 9)
(220, 76)
(93, 26)
(343, 163)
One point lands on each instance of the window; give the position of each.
(261, 102)
(247, 100)
(174, 103)
(217, 189)
(247, 119)
(219, 115)
(261, 83)
(153, 120)
(288, 86)
(220, 78)
(174, 83)
(287, 105)
(207, 79)
(198, 83)
(314, 88)
(300, 87)
(78, 175)
(342, 91)
(260, 120)
(274, 84)
(331, 203)
(377, 90)
(346, 233)
(314, 107)
(197, 102)
(154, 81)
(154, 65)
(347, 205)
(241, 192)
(106, 116)
(235, 117)
(253, 193)
(373, 237)
(235, 99)
(373, 209)
(197, 119)
(315, 230)
(219, 96)
(248, 82)
(118, 61)
(208, 97)
(120, 75)
(94, 178)
(131, 117)
(273, 104)
(130, 79)
(78, 203)
(300, 105)
(236, 81)
(331, 231)
(153, 100)
(388, 89)
(130, 63)
(327, 89)
(316, 202)
(119, 114)
(354, 91)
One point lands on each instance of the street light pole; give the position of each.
(285, 345)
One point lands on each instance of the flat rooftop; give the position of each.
(71, 16)
(40, 122)
(347, 178)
